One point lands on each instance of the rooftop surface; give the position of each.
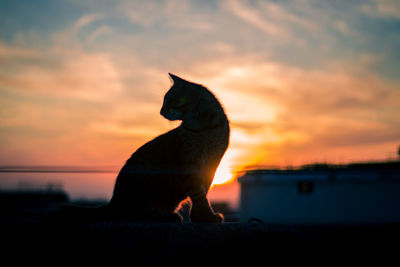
(176, 240)
(366, 171)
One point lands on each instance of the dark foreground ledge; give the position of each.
(173, 240)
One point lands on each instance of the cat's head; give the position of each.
(191, 103)
(179, 99)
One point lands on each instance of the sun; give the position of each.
(224, 173)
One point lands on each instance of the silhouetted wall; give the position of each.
(355, 193)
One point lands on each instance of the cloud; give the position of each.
(253, 17)
(101, 31)
(382, 8)
(8, 52)
(62, 67)
(171, 13)
(85, 20)
(291, 77)
(74, 74)
(277, 19)
(144, 13)
(62, 97)
(276, 109)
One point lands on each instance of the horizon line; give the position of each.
(116, 169)
(58, 169)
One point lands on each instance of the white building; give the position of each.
(323, 194)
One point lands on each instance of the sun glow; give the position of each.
(224, 173)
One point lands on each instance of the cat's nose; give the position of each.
(162, 111)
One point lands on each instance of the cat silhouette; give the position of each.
(173, 166)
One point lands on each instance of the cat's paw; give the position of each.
(219, 217)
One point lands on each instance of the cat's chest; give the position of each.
(203, 147)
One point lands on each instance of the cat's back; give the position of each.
(151, 171)
(162, 155)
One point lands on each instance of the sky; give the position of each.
(82, 82)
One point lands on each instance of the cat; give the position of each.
(175, 165)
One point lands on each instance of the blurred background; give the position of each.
(82, 83)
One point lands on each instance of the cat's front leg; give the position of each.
(201, 208)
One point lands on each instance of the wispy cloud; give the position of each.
(85, 20)
(99, 32)
(289, 109)
(171, 13)
(252, 16)
(382, 8)
(69, 73)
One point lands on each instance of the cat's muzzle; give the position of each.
(171, 115)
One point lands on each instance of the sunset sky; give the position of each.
(82, 82)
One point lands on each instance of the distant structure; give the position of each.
(30, 204)
(323, 194)
(398, 152)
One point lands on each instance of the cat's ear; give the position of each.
(175, 78)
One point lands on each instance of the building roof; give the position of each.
(326, 172)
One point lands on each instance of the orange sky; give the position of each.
(300, 82)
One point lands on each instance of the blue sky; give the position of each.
(303, 33)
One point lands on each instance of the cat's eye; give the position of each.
(181, 101)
